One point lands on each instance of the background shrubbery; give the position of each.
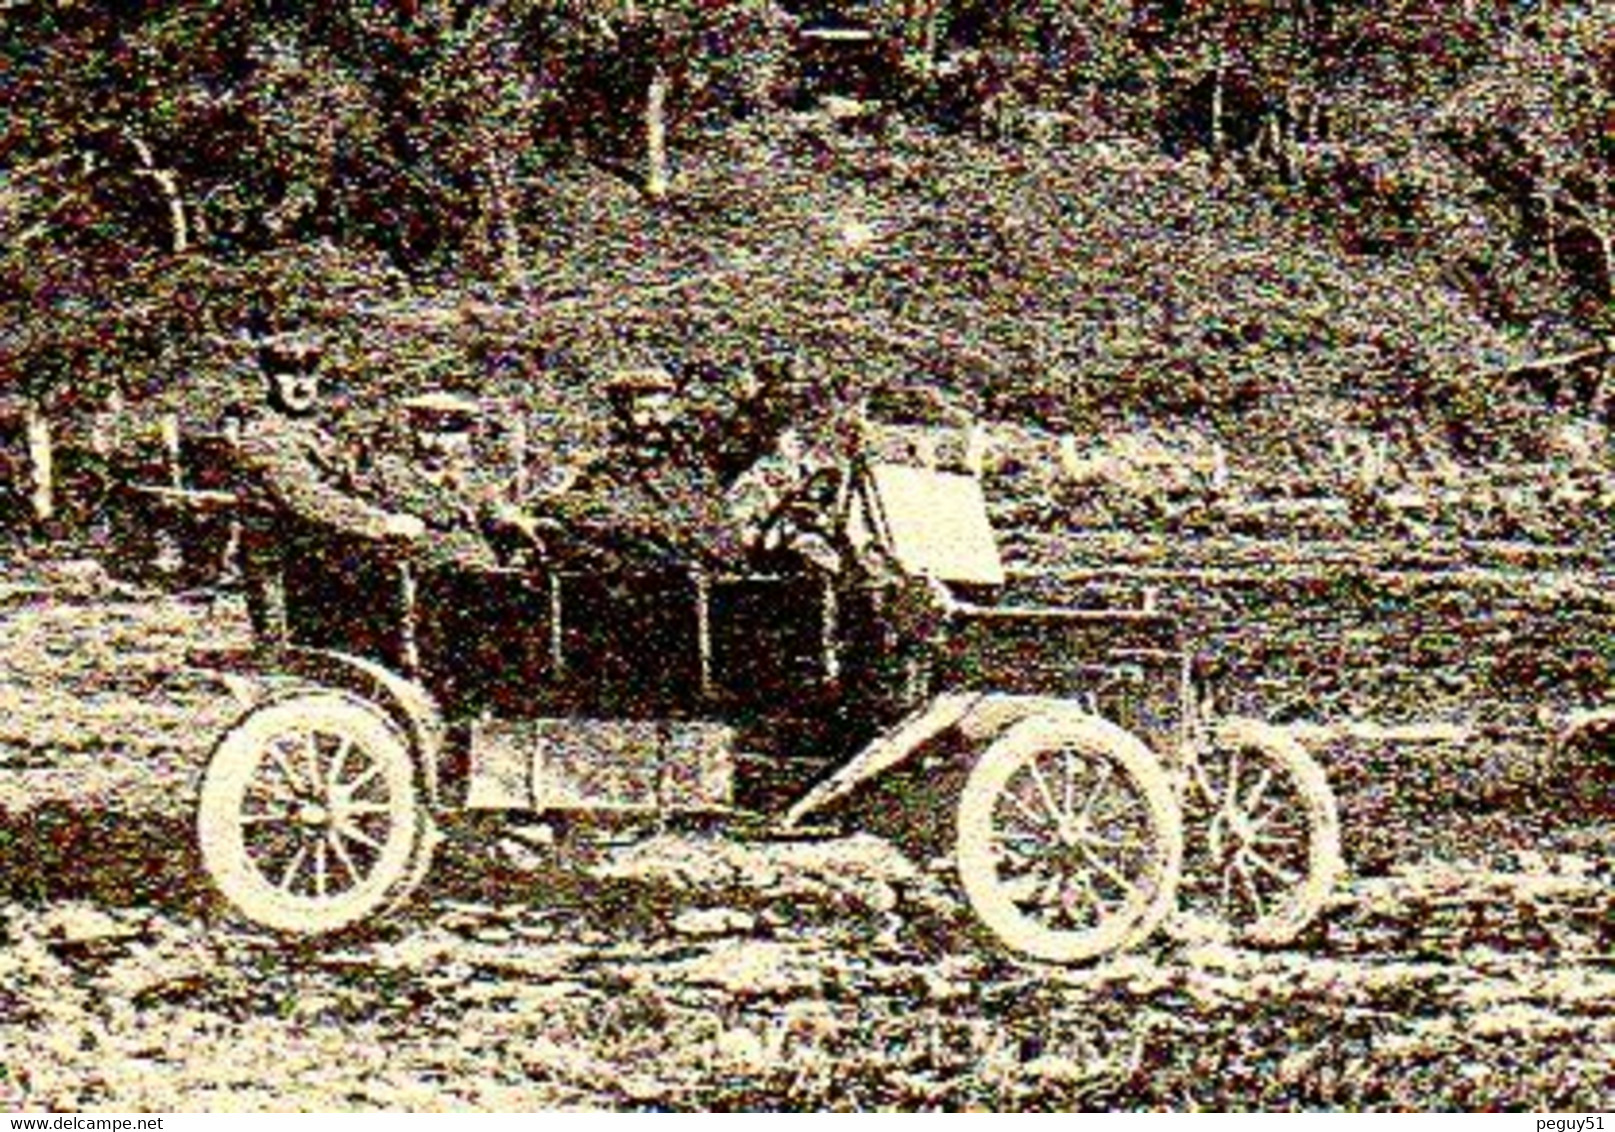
(1291, 226)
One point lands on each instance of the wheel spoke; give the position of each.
(353, 833)
(352, 809)
(1106, 773)
(311, 754)
(321, 864)
(1045, 793)
(1287, 814)
(1019, 850)
(278, 760)
(1202, 777)
(1230, 801)
(1257, 791)
(1035, 820)
(1262, 835)
(343, 857)
(293, 867)
(1023, 851)
(1110, 872)
(333, 778)
(264, 817)
(1262, 864)
(1256, 824)
(364, 779)
(1119, 839)
(1068, 785)
(1049, 897)
(272, 788)
(1081, 894)
(1251, 892)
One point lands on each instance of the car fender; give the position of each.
(409, 706)
(973, 717)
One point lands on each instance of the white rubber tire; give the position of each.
(1121, 782)
(310, 819)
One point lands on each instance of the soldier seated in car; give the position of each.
(293, 476)
(649, 499)
(467, 522)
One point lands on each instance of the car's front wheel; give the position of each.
(1069, 839)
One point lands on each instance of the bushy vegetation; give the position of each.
(1276, 219)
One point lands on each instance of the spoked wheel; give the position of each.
(1069, 840)
(309, 819)
(1262, 834)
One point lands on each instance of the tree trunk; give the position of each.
(656, 176)
(520, 444)
(1290, 139)
(976, 443)
(1550, 209)
(925, 14)
(41, 464)
(1602, 225)
(167, 182)
(168, 432)
(499, 207)
(1606, 251)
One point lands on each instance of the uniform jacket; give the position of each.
(457, 512)
(660, 511)
(292, 469)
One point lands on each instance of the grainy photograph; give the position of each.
(789, 555)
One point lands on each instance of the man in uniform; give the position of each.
(294, 475)
(650, 499)
(467, 523)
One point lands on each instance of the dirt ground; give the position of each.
(1469, 961)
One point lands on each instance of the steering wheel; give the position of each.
(803, 517)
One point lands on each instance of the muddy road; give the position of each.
(1469, 962)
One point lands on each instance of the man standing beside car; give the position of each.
(294, 475)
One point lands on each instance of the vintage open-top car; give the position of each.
(1054, 755)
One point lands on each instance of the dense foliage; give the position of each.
(1066, 211)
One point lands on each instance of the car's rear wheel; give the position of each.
(310, 819)
(1069, 839)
